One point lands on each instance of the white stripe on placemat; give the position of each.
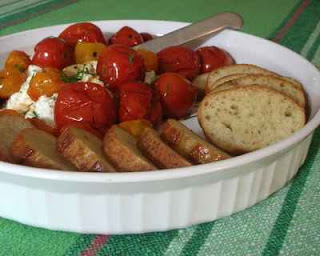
(178, 243)
(311, 40)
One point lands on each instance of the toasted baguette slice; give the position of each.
(34, 147)
(297, 84)
(121, 150)
(247, 118)
(83, 149)
(189, 144)
(274, 82)
(216, 74)
(10, 126)
(229, 78)
(158, 152)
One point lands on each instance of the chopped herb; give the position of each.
(131, 58)
(76, 77)
(35, 114)
(20, 68)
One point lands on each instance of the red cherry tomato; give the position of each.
(52, 52)
(126, 36)
(178, 96)
(85, 103)
(212, 57)
(118, 64)
(146, 36)
(137, 102)
(179, 59)
(82, 32)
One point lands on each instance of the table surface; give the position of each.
(287, 223)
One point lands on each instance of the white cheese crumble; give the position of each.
(150, 77)
(86, 72)
(43, 109)
(20, 101)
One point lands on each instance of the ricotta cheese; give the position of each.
(20, 101)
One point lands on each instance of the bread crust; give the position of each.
(34, 147)
(10, 127)
(121, 151)
(158, 152)
(190, 145)
(217, 74)
(84, 150)
(274, 82)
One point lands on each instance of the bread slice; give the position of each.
(121, 150)
(83, 149)
(34, 147)
(229, 78)
(274, 82)
(245, 119)
(190, 145)
(296, 83)
(10, 127)
(216, 74)
(158, 152)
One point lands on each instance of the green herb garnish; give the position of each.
(20, 68)
(131, 58)
(76, 77)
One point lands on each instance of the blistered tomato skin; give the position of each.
(52, 52)
(118, 64)
(179, 59)
(85, 104)
(212, 57)
(126, 36)
(82, 32)
(177, 95)
(137, 101)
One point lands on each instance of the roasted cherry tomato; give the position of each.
(150, 60)
(46, 82)
(212, 57)
(84, 103)
(11, 80)
(146, 36)
(126, 36)
(53, 52)
(118, 64)
(82, 32)
(17, 59)
(136, 102)
(179, 59)
(85, 52)
(178, 96)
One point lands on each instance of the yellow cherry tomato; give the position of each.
(150, 60)
(85, 52)
(11, 80)
(135, 127)
(46, 82)
(17, 59)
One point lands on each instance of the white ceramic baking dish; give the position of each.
(120, 203)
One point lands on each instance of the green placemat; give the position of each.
(287, 223)
(17, 11)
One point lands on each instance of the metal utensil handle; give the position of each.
(195, 31)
